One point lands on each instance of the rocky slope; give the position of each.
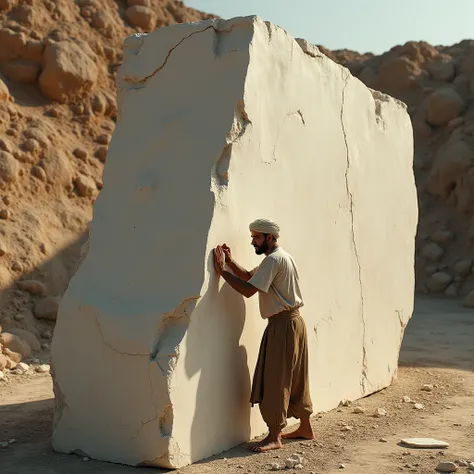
(58, 62)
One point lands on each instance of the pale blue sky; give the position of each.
(361, 25)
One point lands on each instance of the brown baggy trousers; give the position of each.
(280, 382)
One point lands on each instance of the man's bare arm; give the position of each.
(239, 271)
(241, 286)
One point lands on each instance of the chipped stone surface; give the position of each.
(319, 151)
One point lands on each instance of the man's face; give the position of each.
(259, 242)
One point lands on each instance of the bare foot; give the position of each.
(266, 445)
(302, 432)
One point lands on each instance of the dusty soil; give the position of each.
(437, 350)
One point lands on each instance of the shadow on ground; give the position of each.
(440, 334)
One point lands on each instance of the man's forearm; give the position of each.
(239, 271)
(244, 288)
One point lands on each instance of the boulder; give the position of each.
(85, 186)
(68, 71)
(399, 75)
(141, 16)
(15, 344)
(432, 252)
(443, 106)
(12, 44)
(252, 103)
(47, 308)
(463, 267)
(33, 287)
(9, 168)
(451, 163)
(442, 68)
(21, 71)
(439, 281)
(102, 19)
(26, 336)
(57, 168)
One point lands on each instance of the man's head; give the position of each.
(265, 234)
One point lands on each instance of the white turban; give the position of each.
(265, 226)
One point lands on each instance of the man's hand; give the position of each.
(227, 253)
(219, 260)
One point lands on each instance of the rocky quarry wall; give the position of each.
(220, 122)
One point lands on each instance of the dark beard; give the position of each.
(262, 248)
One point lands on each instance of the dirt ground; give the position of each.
(438, 349)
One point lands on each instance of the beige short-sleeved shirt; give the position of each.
(276, 278)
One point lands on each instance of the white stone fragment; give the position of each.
(221, 122)
(429, 443)
(43, 369)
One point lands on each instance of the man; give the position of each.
(280, 383)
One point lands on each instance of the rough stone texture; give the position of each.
(28, 337)
(442, 68)
(141, 16)
(21, 71)
(432, 252)
(450, 166)
(85, 186)
(57, 168)
(444, 105)
(4, 92)
(68, 71)
(47, 308)
(439, 281)
(189, 343)
(9, 168)
(33, 287)
(15, 344)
